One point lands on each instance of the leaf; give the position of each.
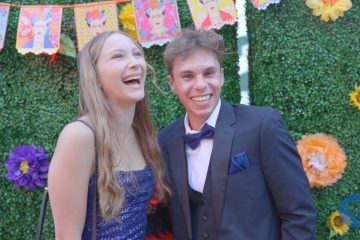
(67, 47)
(332, 233)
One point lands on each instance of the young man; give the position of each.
(234, 169)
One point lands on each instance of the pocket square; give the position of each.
(239, 163)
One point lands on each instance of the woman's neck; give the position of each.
(123, 118)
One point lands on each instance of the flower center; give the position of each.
(357, 97)
(317, 162)
(24, 166)
(332, 2)
(338, 221)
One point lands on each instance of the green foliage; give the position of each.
(37, 98)
(306, 69)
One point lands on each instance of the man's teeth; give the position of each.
(201, 99)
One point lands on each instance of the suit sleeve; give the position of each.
(286, 179)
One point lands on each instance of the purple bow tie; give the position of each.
(193, 140)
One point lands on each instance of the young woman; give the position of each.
(113, 142)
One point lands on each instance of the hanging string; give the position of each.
(64, 6)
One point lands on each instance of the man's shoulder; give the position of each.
(250, 114)
(251, 109)
(170, 130)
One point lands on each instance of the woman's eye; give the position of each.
(118, 56)
(138, 54)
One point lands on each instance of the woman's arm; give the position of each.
(69, 174)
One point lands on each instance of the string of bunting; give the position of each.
(156, 22)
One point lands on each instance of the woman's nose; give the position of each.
(133, 62)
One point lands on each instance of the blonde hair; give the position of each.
(93, 103)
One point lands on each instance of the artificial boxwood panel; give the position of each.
(306, 68)
(37, 98)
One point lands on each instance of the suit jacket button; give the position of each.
(204, 218)
(203, 201)
(205, 235)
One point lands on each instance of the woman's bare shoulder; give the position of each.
(76, 145)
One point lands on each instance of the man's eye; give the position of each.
(138, 54)
(209, 74)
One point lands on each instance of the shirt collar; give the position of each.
(211, 120)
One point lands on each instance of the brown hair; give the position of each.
(190, 40)
(93, 103)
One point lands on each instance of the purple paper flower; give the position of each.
(27, 166)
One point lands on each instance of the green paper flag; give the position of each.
(67, 46)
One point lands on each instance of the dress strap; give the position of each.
(87, 124)
(93, 229)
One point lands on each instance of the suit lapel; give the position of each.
(178, 168)
(220, 156)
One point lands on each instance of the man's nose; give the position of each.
(200, 82)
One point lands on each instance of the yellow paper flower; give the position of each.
(329, 9)
(337, 224)
(355, 97)
(323, 159)
(127, 19)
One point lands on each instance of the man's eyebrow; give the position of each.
(210, 68)
(186, 72)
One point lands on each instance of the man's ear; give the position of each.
(172, 84)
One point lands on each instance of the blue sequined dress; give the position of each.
(139, 186)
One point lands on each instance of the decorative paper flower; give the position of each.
(337, 224)
(27, 166)
(348, 209)
(323, 159)
(95, 14)
(154, 4)
(355, 97)
(329, 9)
(158, 222)
(162, 236)
(153, 206)
(127, 19)
(263, 4)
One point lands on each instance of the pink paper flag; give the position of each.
(157, 21)
(4, 14)
(208, 14)
(39, 29)
(94, 18)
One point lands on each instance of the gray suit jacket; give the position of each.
(270, 200)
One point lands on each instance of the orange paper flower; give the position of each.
(95, 13)
(323, 159)
(154, 4)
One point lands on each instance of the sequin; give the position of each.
(139, 187)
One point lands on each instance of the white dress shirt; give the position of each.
(198, 160)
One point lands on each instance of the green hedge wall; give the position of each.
(303, 67)
(37, 98)
(306, 68)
